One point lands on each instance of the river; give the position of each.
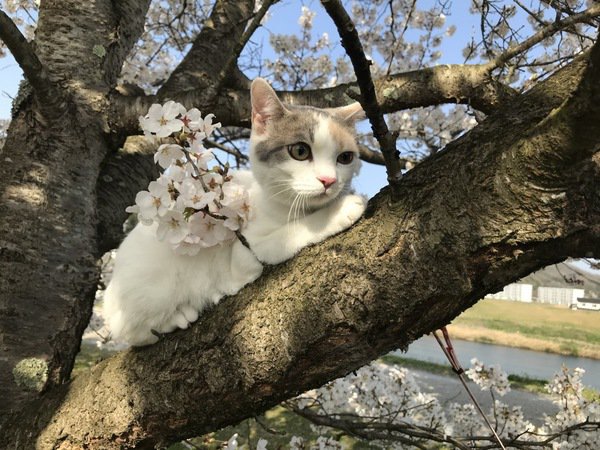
(513, 360)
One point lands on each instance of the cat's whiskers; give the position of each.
(304, 200)
(292, 211)
(282, 191)
(279, 184)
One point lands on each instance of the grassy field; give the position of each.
(533, 326)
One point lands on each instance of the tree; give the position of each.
(514, 194)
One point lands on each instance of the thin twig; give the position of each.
(374, 157)
(368, 98)
(231, 151)
(502, 59)
(354, 425)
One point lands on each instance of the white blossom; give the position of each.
(193, 205)
(306, 18)
(172, 227)
(193, 195)
(232, 443)
(207, 126)
(162, 120)
(152, 203)
(191, 120)
(491, 378)
(167, 154)
(296, 443)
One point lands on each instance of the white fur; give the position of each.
(155, 289)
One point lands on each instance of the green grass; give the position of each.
(566, 331)
(541, 330)
(539, 320)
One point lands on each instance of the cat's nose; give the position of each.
(327, 181)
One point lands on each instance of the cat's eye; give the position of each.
(345, 157)
(299, 151)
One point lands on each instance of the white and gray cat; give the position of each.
(302, 160)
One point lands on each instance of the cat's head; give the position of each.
(302, 153)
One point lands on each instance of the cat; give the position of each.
(302, 160)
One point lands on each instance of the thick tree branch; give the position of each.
(466, 224)
(123, 175)
(465, 84)
(211, 49)
(29, 62)
(573, 125)
(129, 26)
(368, 97)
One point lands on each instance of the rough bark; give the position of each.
(51, 161)
(124, 173)
(211, 48)
(497, 204)
(517, 193)
(459, 84)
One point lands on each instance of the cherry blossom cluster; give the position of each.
(574, 408)
(390, 395)
(192, 205)
(377, 392)
(303, 61)
(3, 129)
(488, 378)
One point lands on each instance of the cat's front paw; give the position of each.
(351, 209)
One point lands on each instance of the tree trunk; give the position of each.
(51, 161)
(519, 192)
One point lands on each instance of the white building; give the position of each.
(559, 296)
(516, 291)
(587, 303)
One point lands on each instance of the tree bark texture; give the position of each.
(52, 159)
(518, 192)
(509, 197)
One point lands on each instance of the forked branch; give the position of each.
(29, 62)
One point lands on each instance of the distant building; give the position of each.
(517, 291)
(587, 303)
(559, 296)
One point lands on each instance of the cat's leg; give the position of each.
(190, 313)
(182, 317)
(286, 241)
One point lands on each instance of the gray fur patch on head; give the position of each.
(297, 125)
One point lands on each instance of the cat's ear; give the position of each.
(350, 114)
(266, 105)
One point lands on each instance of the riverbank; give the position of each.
(532, 326)
(521, 382)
